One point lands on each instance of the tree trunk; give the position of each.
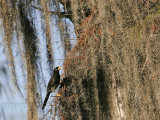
(115, 63)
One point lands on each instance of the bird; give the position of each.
(52, 84)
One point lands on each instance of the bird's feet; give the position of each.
(57, 94)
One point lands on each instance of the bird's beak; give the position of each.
(59, 68)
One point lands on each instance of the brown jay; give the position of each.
(52, 85)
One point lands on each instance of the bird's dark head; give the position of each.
(57, 68)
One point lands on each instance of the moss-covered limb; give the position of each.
(65, 14)
(8, 15)
(30, 57)
(48, 34)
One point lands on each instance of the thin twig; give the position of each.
(144, 65)
(46, 114)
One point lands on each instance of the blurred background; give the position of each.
(13, 74)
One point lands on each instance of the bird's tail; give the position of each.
(45, 101)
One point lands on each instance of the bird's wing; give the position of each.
(45, 101)
(53, 83)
